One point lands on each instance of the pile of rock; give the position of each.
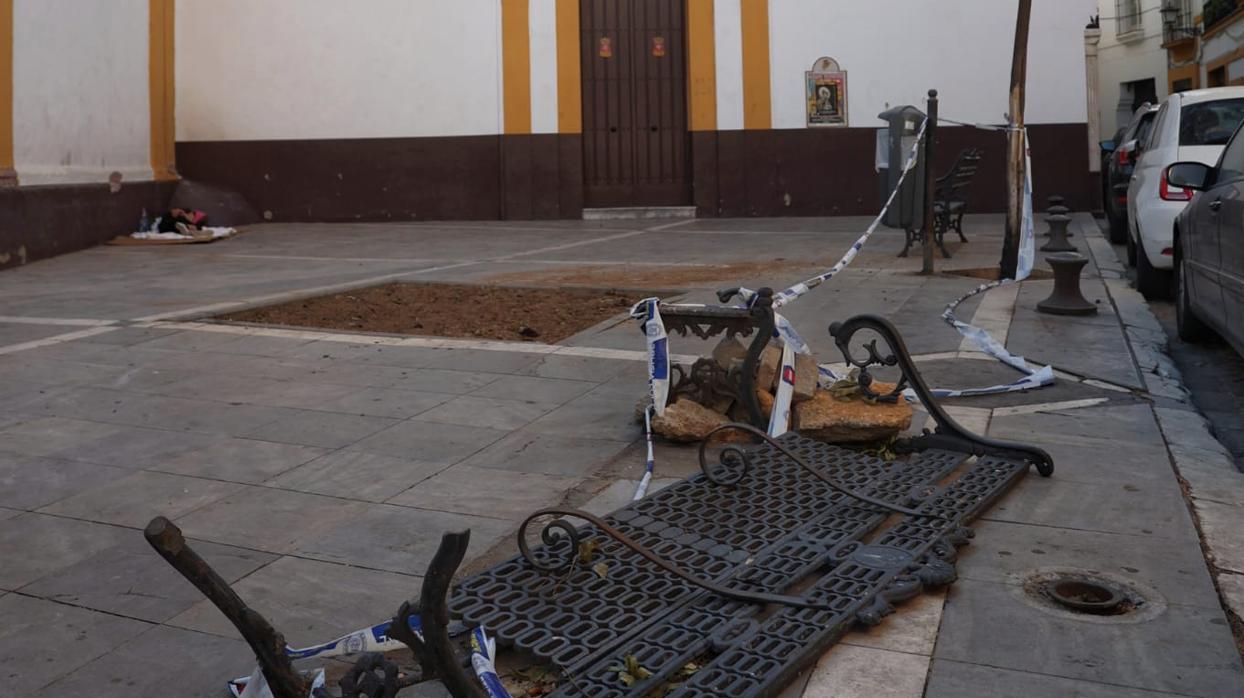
(833, 417)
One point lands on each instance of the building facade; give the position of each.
(86, 121)
(318, 110)
(1131, 60)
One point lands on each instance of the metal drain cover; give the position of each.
(1085, 595)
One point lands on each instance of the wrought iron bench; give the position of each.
(950, 201)
(728, 583)
(705, 379)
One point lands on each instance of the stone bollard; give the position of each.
(1058, 234)
(1066, 298)
(1056, 207)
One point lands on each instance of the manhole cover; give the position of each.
(1087, 595)
(1092, 596)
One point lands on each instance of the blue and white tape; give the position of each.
(779, 418)
(483, 661)
(650, 465)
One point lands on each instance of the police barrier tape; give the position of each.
(647, 312)
(483, 656)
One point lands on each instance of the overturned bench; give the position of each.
(747, 571)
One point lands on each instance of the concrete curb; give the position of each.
(1214, 487)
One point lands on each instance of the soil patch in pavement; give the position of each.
(450, 310)
(666, 277)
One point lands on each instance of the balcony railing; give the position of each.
(1174, 34)
(1215, 11)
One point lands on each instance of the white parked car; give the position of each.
(1191, 126)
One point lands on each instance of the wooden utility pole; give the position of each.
(1016, 144)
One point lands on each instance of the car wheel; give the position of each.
(1118, 227)
(1152, 283)
(1131, 250)
(1189, 326)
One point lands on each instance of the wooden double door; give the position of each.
(636, 148)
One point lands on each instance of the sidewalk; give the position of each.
(315, 470)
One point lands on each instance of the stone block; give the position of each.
(770, 364)
(831, 420)
(728, 350)
(690, 421)
(806, 373)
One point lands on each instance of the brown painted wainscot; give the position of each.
(37, 222)
(788, 172)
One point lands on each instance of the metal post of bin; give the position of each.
(930, 183)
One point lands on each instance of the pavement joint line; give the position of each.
(72, 322)
(405, 341)
(1049, 406)
(569, 245)
(57, 339)
(669, 226)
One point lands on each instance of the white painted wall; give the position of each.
(1224, 41)
(1141, 56)
(291, 69)
(895, 50)
(80, 90)
(728, 48)
(542, 18)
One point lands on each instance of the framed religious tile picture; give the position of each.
(826, 93)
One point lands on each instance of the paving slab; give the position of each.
(595, 415)
(429, 442)
(397, 538)
(272, 520)
(303, 599)
(35, 634)
(236, 459)
(1221, 525)
(1186, 649)
(322, 429)
(849, 671)
(487, 492)
(1007, 553)
(133, 409)
(535, 389)
(949, 679)
(160, 658)
(36, 545)
(911, 629)
(1141, 508)
(130, 579)
(357, 475)
(29, 482)
(487, 412)
(527, 452)
(141, 496)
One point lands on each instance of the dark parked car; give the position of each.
(1118, 158)
(1209, 247)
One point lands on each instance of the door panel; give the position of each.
(1231, 269)
(635, 141)
(608, 141)
(1199, 247)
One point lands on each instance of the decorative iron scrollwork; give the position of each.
(949, 434)
(738, 462)
(567, 555)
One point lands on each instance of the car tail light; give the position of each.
(1170, 193)
(1123, 157)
